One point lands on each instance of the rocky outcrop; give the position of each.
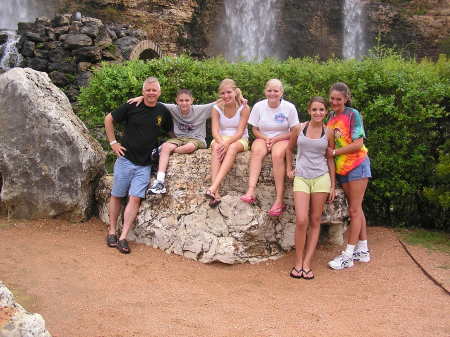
(181, 222)
(69, 49)
(420, 28)
(15, 321)
(49, 164)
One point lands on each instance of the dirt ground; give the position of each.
(83, 288)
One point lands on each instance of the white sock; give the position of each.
(161, 176)
(349, 250)
(362, 246)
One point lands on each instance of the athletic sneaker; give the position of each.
(340, 262)
(158, 188)
(361, 256)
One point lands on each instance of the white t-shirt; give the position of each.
(273, 122)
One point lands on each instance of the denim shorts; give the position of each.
(130, 179)
(359, 172)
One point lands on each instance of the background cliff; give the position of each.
(306, 28)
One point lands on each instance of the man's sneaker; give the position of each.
(361, 256)
(158, 188)
(340, 262)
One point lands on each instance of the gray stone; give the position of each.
(35, 37)
(58, 78)
(3, 37)
(90, 29)
(20, 323)
(103, 38)
(73, 41)
(27, 49)
(126, 45)
(61, 20)
(38, 63)
(181, 221)
(49, 163)
(88, 54)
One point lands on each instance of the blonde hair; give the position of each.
(275, 82)
(228, 82)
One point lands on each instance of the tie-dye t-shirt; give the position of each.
(347, 126)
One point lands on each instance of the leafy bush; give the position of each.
(405, 105)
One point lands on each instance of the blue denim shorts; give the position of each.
(130, 179)
(359, 172)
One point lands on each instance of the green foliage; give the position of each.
(405, 105)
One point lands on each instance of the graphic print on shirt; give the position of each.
(185, 126)
(280, 117)
(158, 120)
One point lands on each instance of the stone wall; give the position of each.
(69, 48)
(181, 221)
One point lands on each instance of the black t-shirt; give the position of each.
(143, 126)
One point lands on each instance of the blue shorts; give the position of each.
(130, 179)
(359, 172)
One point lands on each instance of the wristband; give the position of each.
(113, 142)
(334, 153)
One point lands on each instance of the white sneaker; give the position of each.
(158, 188)
(361, 256)
(340, 262)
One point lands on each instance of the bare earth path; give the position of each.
(83, 288)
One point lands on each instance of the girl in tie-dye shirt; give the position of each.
(352, 171)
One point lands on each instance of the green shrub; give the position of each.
(405, 105)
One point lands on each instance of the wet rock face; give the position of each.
(181, 221)
(49, 163)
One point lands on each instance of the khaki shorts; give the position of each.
(185, 140)
(243, 141)
(314, 185)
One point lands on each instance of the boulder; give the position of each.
(49, 163)
(181, 221)
(15, 321)
(72, 41)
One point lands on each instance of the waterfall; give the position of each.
(354, 42)
(9, 56)
(248, 30)
(14, 11)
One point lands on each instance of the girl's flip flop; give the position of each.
(248, 200)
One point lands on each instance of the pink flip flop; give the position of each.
(277, 211)
(248, 200)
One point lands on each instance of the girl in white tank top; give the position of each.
(229, 129)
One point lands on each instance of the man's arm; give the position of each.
(109, 128)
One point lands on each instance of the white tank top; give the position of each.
(229, 126)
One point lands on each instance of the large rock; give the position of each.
(182, 222)
(48, 162)
(15, 321)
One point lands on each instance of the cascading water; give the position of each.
(248, 30)
(354, 41)
(12, 12)
(11, 58)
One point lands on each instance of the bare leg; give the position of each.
(301, 200)
(354, 191)
(317, 202)
(259, 151)
(279, 169)
(225, 167)
(186, 148)
(215, 161)
(166, 150)
(114, 210)
(130, 214)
